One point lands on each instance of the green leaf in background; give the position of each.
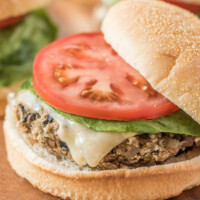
(178, 122)
(20, 43)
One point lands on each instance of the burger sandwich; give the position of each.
(113, 115)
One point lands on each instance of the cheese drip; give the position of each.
(87, 146)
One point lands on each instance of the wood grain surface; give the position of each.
(13, 187)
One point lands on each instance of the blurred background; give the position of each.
(75, 16)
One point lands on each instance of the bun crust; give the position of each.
(10, 8)
(162, 42)
(158, 182)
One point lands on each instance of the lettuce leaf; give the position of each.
(20, 43)
(178, 122)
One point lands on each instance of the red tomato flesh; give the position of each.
(10, 21)
(195, 8)
(83, 75)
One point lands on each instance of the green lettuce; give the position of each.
(178, 122)
(20, 43)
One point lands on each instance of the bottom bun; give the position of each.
(67, 180)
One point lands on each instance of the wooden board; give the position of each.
(13, 187)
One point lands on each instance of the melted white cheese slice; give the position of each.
(86, 145)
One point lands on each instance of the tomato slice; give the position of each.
(83, 75)
(187, 5)
(10, 21)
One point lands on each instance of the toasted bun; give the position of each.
(10, 8)
(162, 42)
(65, 179)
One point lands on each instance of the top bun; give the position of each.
(14, 8)
(162, 42)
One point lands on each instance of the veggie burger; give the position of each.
(113, 115)
(23, 32)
